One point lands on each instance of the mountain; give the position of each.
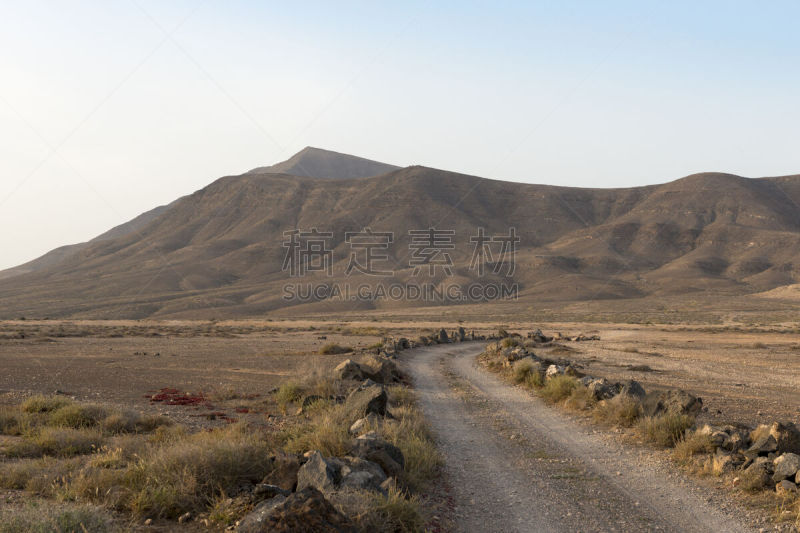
(317, 163)
(220, 251)
(54, 257)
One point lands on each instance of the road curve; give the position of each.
(515, 464)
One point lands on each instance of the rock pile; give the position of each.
(297, 494)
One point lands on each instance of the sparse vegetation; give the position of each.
(287, 394)
(558, 388)
(665, 430)
(47, 517)
(334, 349)
(621, 410)
(693, 443)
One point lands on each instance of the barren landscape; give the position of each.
(538, 460)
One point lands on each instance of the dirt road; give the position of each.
(516, 464)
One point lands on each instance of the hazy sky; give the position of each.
(110, 108)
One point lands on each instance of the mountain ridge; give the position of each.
(220, 250)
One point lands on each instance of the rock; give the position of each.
(368, 398)
(381, 369)
(785, 466)
(722, 463)
(373, 448)
(554, 370)
(601, 389)
(787, 437)
(359, 474)
(266, 490)
(284, 471)
(757, 475)
(539, 337)
(185, 517)
(673, 401)
(349, 370)
(305, 510)
(443, 338)
(462, 334)
(763, 446)
(633, 389)
(319, 473)
(786, 488)
(362, 424)
(308, 401)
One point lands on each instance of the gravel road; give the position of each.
(516, 464)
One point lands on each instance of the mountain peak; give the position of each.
(311, 162)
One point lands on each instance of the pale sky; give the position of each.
(110, 108)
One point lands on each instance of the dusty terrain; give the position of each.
(751, 375)
(744, 373)
(520, 465)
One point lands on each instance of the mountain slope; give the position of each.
(220, 251)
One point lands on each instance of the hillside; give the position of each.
(219, 252)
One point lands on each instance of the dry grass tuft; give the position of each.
(44, 404)
(665, 430)
(558, 388)
(581, 399)
(621, 410)
(334, 349)
(692, 443)
(57, 442)
(396, 511)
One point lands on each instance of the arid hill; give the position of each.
(220, 251)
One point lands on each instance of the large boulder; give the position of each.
(332, 474)
(381, 369)
(349, 370)
(305, 510)
(254, 521)
(632, 389)
(762, 447)
(673, 402)
(373, 448)
(758, 475)
(369, 397)
(786, 488)
(359, 474)
(785, 466)
(601, 389)
(318, 472)
(787, 437)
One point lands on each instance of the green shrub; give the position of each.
(558, 388)
(665, 430)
